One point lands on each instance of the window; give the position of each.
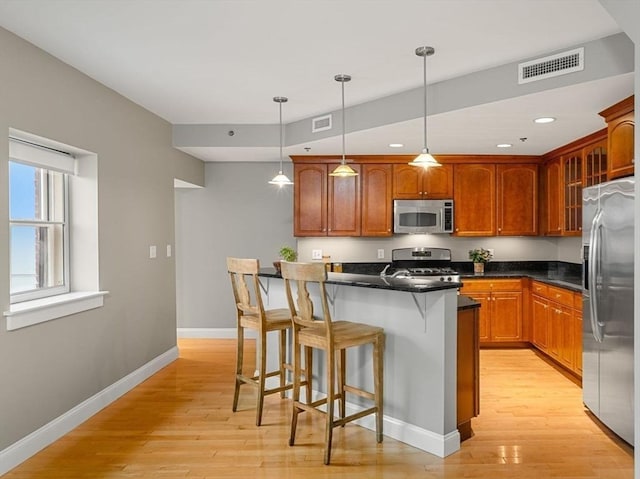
(53, 222)
(38, 221)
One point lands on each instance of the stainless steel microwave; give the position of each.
(423, 216)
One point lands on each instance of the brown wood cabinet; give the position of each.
(310, 200)
(551, 196)
(474, 192)
(556, 315)
(565, 172)
(577, 339)
(468, 370)
(377, 204)
(411, 182)
(325, 205)
(501, 308)
(620, 128)
(517, 200)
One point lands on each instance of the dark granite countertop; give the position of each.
(556, 273)
(465, 302)
(377, 282)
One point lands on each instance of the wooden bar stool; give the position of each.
(252, 315)
(333, 337)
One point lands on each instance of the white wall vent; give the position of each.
(551, 66)
(321, 123)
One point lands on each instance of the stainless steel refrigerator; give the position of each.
(607, 246)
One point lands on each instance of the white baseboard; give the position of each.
(47, 434)
(213, 333)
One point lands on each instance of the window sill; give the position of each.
(28, 313)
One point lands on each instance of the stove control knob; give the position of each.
(442, 278)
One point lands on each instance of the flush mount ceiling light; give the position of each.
(425, 159)
(504, 145)
(343, 169)
(396, 145)
(280, 179)
(544, 119)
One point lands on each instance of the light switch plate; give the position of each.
(152, 251)
(381, 253)
(168, 251)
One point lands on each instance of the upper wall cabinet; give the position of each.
(412, 182)
(325, 205)
(565, 172)
(517, 200)
(475, 199)
(620, 127)
(377, 204)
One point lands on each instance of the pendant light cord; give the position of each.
(424, 72)
(281, 139)
(344, 161)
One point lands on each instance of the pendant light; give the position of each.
(343, 169)
(425, 159)
(280, 179)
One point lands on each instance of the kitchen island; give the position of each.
(419, 319)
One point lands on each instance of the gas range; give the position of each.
(421, 263)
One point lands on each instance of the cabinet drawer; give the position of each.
(577, 301)
(471, 285)
(540, 289)
(562, 296)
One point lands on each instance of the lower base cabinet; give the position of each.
(501, 308)
(556, 316)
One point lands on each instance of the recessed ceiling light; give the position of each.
(504, 145)
(396, 145)
(544, 119)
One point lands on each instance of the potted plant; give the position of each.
(479, 256)
(286, 253)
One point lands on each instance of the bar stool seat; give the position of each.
(333, 338)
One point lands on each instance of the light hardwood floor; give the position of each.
(179, 424)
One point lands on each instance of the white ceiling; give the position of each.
(222, 61)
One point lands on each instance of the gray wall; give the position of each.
(237, 214)
(47, 369)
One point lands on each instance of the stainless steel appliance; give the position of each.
(423, 216)
(607, 242)
(421, 263)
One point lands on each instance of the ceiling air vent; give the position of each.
(551, 66)
(321, 123)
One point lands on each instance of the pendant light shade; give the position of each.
(424, 159)
(343, 169)
(280, 179)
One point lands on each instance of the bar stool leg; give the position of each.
(283, 359)
(342, 368)
(378, 379)
(261, 376)
(239, 359)
(308, 373)
(296, 390)
(331, 368)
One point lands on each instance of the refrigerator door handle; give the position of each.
(594, 272)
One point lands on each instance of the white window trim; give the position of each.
(28, 313)
(85, 293)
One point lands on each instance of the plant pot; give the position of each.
(478, 268)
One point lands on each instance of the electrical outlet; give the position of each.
(316, 254)
(168, 251)
(152, 251)
(381, 253)
(490, 250)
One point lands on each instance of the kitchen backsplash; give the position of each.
(504, 248)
